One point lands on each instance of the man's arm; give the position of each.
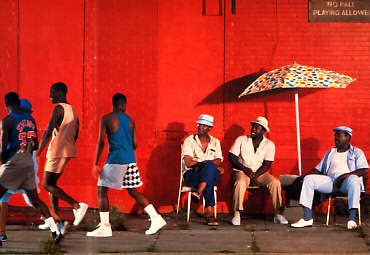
(313, 171)
(235, 162)
(77, 130)
(266, 164)
(100, 146)
(359, 172)
(134, 136)
(190, 162)
(57, 113)
(6, 126)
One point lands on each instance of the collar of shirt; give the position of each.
(210, 143)
(260, 146)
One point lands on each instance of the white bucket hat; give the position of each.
(263, 122)
(205, 119)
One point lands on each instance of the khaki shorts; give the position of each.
(56, 165)
(18, 172)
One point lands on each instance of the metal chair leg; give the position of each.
(178, 201)
(188, 213)
(359, 214)
(328, 212)
(215, 207)
(204, 204)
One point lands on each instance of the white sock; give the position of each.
(51, 223)
(149, 209)
(104, 218)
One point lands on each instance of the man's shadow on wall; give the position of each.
(161, 186)
(226, 183)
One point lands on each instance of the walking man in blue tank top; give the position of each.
(120, 170)
(18, 141)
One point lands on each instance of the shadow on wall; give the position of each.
(166, 159)
(226, 184)
(229, 92)
(309, 149)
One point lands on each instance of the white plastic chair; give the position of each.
(183, 188)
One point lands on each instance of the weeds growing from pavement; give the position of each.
(50, 247)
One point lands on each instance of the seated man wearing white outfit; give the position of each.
(251, 158)
(340, 170)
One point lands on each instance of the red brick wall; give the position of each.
(173, 63)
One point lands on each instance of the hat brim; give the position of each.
(203, 122)
(342, 130)
(266, 128)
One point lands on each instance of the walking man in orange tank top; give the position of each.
(62, 130)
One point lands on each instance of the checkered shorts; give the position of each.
(118, 176)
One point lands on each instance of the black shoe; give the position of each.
(57, 237)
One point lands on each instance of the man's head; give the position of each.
(259, 127)
(205, 124)
(25, 105)
(342, 137)
(119, 102)
(11, 100)
(58, 92)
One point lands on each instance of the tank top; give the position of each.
(63, 142)
(121, 150)
(24, 128)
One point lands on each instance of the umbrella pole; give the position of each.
(298, 133)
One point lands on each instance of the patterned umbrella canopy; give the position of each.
(298, 76)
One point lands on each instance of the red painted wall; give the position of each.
(175, 60)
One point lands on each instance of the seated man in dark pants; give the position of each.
(203, 158)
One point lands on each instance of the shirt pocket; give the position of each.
(212, 151)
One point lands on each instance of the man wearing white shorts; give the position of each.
(120, 170)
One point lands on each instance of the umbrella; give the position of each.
(298, 76)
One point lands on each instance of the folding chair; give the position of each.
(335, 196)
(186, 189)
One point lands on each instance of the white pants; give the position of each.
(324, 184)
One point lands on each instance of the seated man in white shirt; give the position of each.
(251, 157)
(203, 158)
(341, 170)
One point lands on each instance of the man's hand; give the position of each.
(338, 182)
(250, 174)
(221, 169)
(96, 171)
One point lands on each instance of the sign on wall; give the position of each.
(339, 11)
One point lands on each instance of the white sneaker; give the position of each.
(156, 224)
(280, 219)
(80, 213)
(44, 226)
(236, 221)
(351, 224)
(302, 223)
(101, 231)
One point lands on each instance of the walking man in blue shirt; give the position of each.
(120, 170)
(341, 170)
(18, 141)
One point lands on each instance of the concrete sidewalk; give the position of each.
(256, 235)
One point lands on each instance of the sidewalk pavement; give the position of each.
(256, 235)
